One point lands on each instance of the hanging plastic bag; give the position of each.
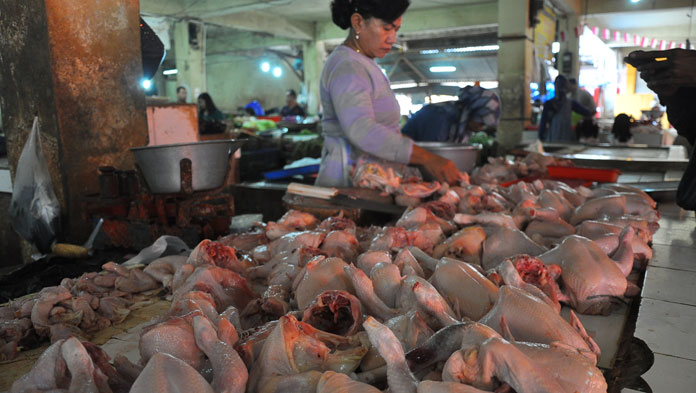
(34, 211)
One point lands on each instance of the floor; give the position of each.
(667, 315)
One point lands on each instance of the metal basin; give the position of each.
(465, 157)
(161, 165)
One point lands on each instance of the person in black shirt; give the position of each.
(672, 75)
(292, 108)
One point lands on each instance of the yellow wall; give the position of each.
(630, 103)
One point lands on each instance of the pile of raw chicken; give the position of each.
(462, 294)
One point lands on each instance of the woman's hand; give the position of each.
(440, 168)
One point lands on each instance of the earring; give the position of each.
(357, 36)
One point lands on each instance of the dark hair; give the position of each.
(209, 105)
(386, 10)
(292, 92)
(178, 89)
(622, 127)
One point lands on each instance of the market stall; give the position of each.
(492, 263)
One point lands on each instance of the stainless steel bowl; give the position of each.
(465, 157)
(209, 164)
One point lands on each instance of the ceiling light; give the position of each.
(173, 71)
(481, 48)
(429, 51)
(277, 72)
(146, 84)
(265, 67)
(405, 85)
(443, 69)
(634, 1)
(555, 47)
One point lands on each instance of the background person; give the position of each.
(210, 119)
(555, 124)
(181, 95)
(292, 108)
(673, 78)
(361, 114)
(476, 109)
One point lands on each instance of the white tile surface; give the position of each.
(668, 328)
(669, 224)
(674, 257)
(5, 181)
(671, 285)
(671, 374)
(676, 237)
(611, 326)
(672, 210)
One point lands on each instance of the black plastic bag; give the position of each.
(34, 210)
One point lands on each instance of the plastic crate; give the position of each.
(582, 173)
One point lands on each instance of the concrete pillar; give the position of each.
(189, 47)
(514, 70)
(569, 55)
(78, 65)
(314, 56)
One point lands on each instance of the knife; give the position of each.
(334, 195)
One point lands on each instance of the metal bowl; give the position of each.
(465, 157)
(161, 165)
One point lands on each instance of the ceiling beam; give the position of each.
(606, 6)
(415, 69)
(225, 39)
(266, 23)
(433, 19)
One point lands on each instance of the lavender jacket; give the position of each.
(361, 117)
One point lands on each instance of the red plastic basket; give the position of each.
(582, 173)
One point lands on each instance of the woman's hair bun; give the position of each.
(341, 10)
(386, 10)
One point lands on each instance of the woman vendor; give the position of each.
(361, 114)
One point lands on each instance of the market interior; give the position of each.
(169, 224)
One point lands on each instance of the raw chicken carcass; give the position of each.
(341, 244)
(368, 260)
(245, 242)
(293, 240)
(227, 287)
(319, 275)
(495, 361)
(506, 242)
(163, 269)
(295, 347)
(549, 231)
(416, 217)
(292, 221)
(469, 292)
(418, 190)
(386, 279)
(333, 382)
(338, 223)
(165, 373)
(229, 372)
(174, 337)
(591, 280)
(213, 253)
(465, 245)
(66, 365)
(336, 312)
(529, 319)
(614, 206)
(136, 282)
(48, 297)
